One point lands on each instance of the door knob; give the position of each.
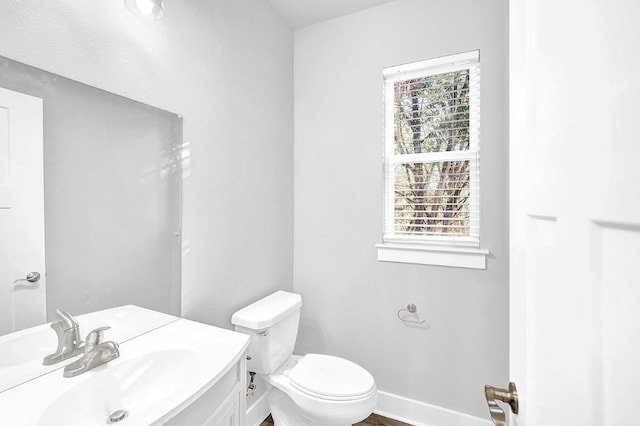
(509, 396)
(31, 277)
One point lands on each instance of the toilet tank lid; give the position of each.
(267, 311)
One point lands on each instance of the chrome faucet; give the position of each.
(69, 342)
(96, 353)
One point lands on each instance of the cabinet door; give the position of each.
(228, 414)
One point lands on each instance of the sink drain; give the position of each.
(117, 416)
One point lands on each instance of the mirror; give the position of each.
(112, 202)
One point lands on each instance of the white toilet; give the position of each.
(314, 390)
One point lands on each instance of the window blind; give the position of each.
(432, 145)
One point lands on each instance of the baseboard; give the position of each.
(389, 405)
(258, 411)
(422, 414)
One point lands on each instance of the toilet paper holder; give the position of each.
(411, 309)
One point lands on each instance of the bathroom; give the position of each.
(281, 111)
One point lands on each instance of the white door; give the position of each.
(22, 303)
(575, 211)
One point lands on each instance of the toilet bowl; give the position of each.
(309, 390)
(326, 390)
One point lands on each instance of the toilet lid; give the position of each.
(330, 377)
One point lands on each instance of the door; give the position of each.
(22, 303)
(575, 211)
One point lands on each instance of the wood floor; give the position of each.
(376, 420)
(372, 420)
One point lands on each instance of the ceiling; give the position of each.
(300, 13)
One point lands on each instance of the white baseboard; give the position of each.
(423, 414)
(389, 405)
(258, 411)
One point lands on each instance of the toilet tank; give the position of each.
(272, 324)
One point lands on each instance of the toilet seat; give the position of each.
(329, 390)
(331, 378)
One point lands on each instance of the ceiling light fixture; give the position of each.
(147, 9)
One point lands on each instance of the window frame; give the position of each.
(456, 251)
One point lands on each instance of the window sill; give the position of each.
(462, 257)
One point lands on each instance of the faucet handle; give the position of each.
(66, 320)
(95, 337)
(69, 343)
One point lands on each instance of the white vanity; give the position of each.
(177, 372)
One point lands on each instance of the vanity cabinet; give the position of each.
(223, 404)
(228, 414)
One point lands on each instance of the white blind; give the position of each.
(432, 143)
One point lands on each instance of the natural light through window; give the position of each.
(431, 162)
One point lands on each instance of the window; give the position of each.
(431, 162)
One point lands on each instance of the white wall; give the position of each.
(350, 300)
(227, 67)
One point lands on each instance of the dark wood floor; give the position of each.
(376, 420)
(372, 420)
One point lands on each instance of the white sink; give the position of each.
(156, 376)
(124, 385)
(22, 352)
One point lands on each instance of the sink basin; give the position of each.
(22, 352)
(157, 375)
(126, 386)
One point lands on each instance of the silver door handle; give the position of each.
(32, 277)
(509, 396)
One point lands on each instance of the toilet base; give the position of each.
(285, 412)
